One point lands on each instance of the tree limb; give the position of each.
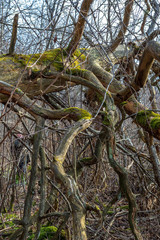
(14, 35)
(124, 25)
(79, 28)
(78, 207)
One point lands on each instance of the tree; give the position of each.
(112, 74)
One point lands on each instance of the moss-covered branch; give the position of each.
(34, 109)
(131, 105)
(150, 121)
(39, 79)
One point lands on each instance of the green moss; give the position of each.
(5, 57)
(32, 236)
(100, 99)
(9, 220)
(58, 159)
(77, 72)
(155, 123)
(76, 59)
(79, 55)
(123, 103)
(128, 229)
(148, 117)
(106, 120)
(142, 117)
(48, 233)
(11, 216)
(124, 207)
(85, 159)
(10, 223)
(110, 212)
(97, 199)
(17, 90)
(80, 113)
(54, 57)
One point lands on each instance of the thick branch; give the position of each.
(151, 52)
(123, 29)
(77, 205)
(34, 109)
(131, 106)
(79, 28)
(68, 138)
(14, 35)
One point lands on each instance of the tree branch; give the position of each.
(79, 28)
(14, 35)
(31, 186)
(151, 52)
(124, 25)
(124, 184)
(78, 207)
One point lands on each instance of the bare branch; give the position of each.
(14, 35)
(31, 186)
(79, 28)
(124, 25)
(156, 8)
(145, 16)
